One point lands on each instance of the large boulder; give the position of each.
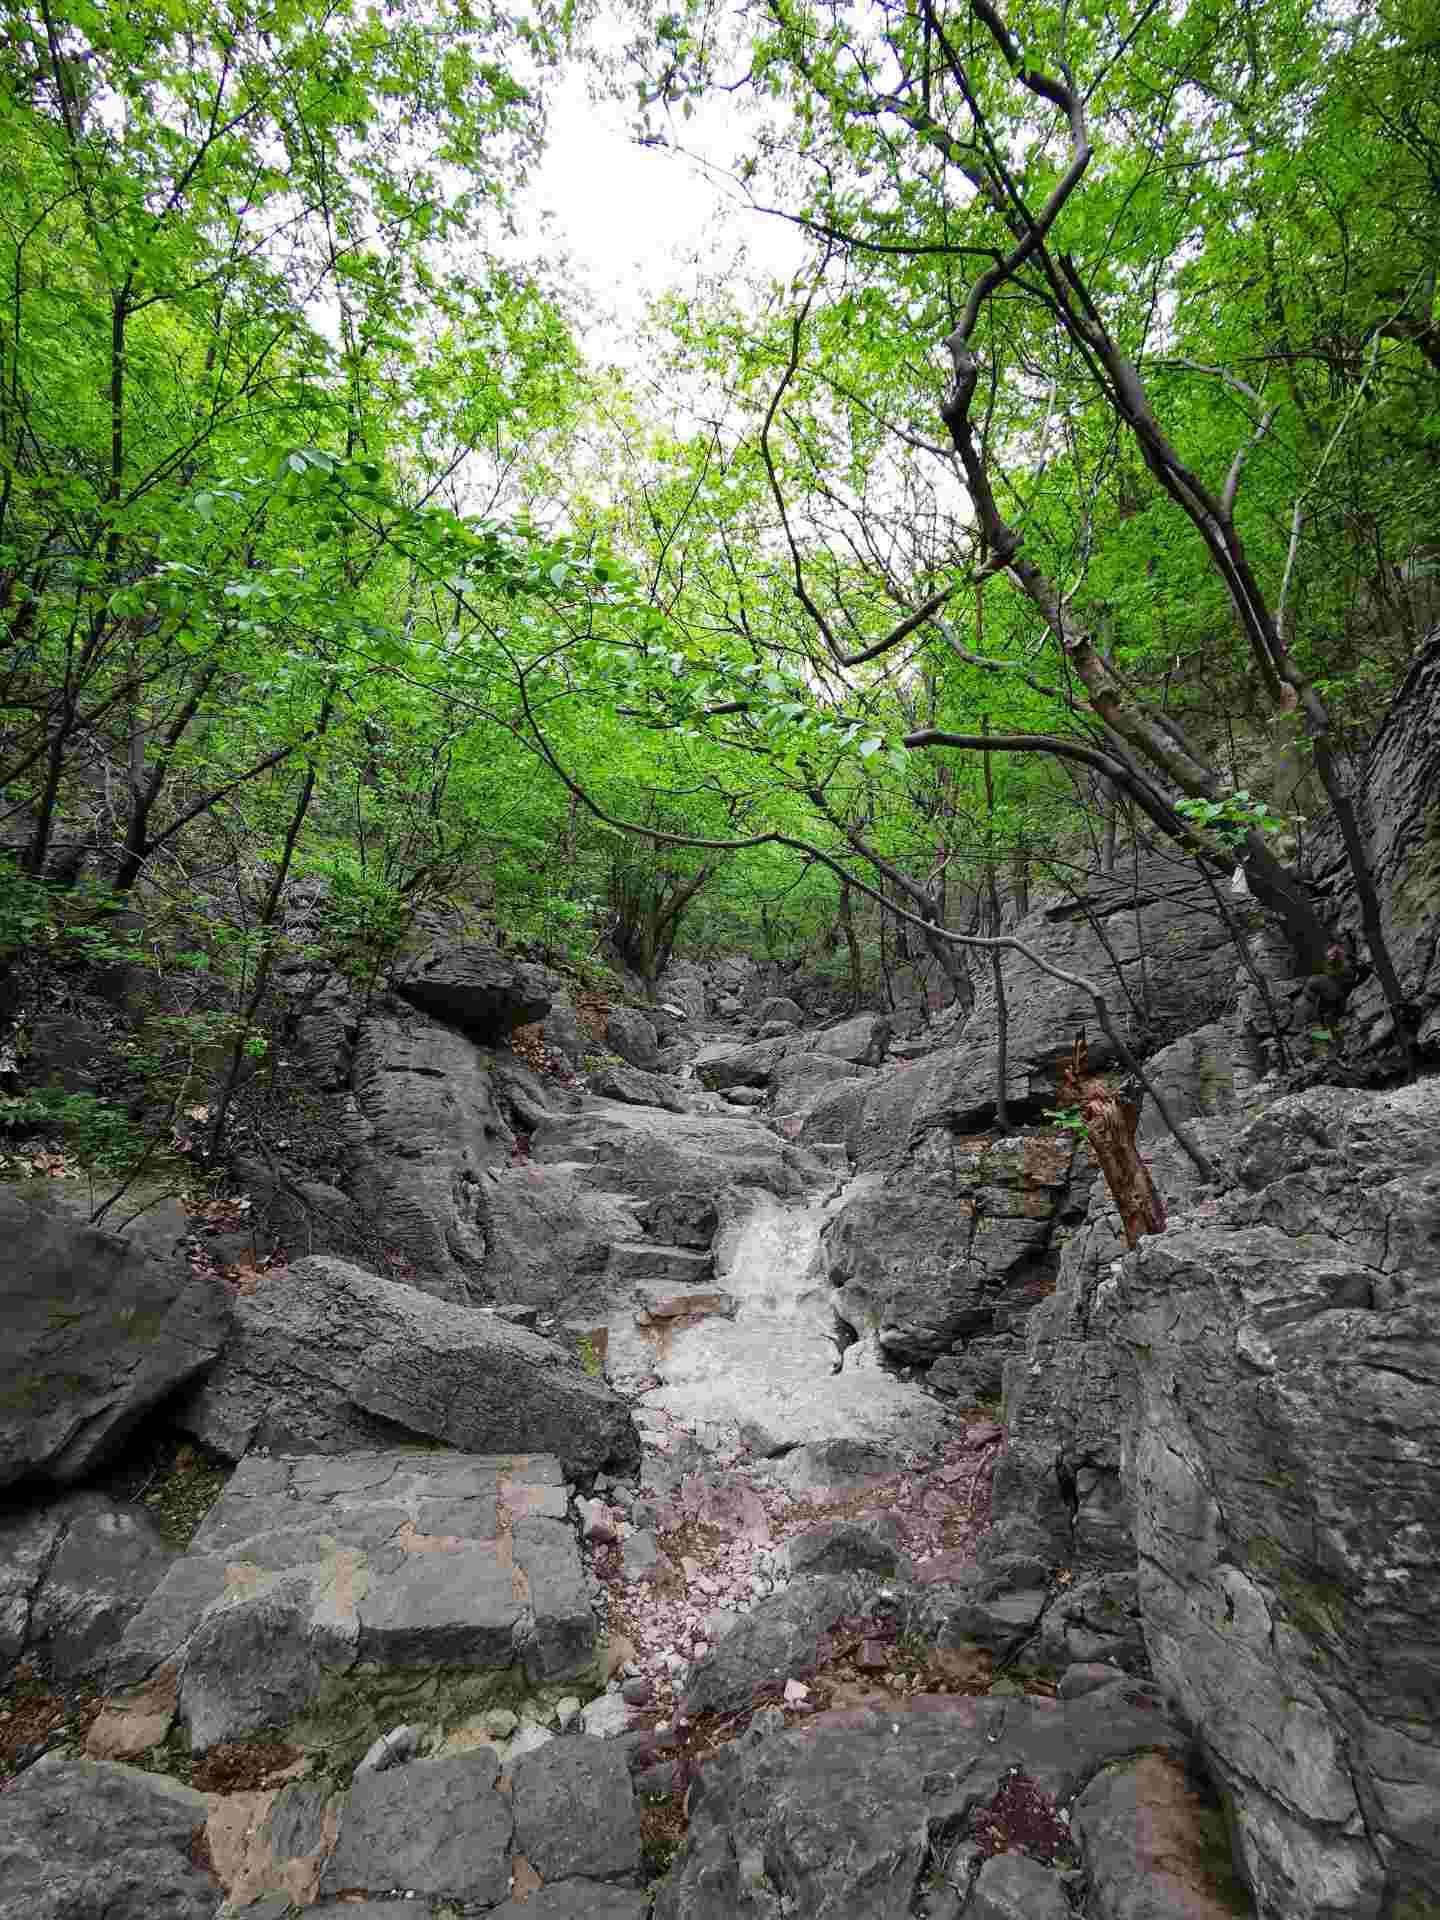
(98, 1331)
(779, 1010)
(471, 986)
(1058, 1490)
(925, 1258)
(72, 1576)
(324, 1358)
(800, 1078)
(863, 1039)
(633, 1037)
(636, 1089)
(422, 1125)
(649, 1153)
(1284, 1455)
(723, 1064)
(85, 1840)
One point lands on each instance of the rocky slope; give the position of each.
(611, 1524)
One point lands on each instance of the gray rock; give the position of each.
(1397, 822)
(1086, 1676)
(640, 1151)
(1284, 1461)
(687, 991)
(585, 1900)
(642, 1559)
(780, 1010)
(724, 1064)
(306, 1567)
(784, 1638)
(606, 1718)
(840, 1816)
(1155, 911)
(1013, 1887)
(434, 1827)
(633, 1037)
(744, 1096)
(326, 1359)
(1196, 1074)
(561, 1031)
(575, 1811)
(802, 1078)
(422, 1126)
(927, 1258)
(865, 1039)
(470, 986)
(72, 1577)
(391, 1750)
(680, 1219)
(637, 1089)
(646, 1262)
(97, 1333)
(843, 1546)
(84, 1840)
(549, 1236)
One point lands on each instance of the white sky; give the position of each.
(636, 221)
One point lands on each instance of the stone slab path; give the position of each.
(312, 1568)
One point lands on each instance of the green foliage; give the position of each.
(1232, 818)
(103, 1137)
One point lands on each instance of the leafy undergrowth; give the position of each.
(177, 1481)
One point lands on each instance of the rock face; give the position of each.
(943, 1259)
(82, 1840)
(549, 1236)
(97, 1333)
(1284, 1459)
(470, 986)
(422, 1125)
(1401, 828)
(308, 1569)
(324, 1358)
(72, 1577)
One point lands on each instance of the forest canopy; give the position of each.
(1081, 482)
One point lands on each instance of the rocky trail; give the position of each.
(609, 1516)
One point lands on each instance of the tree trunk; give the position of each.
(1110, 1122)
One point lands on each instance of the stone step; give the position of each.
(654, 1260)
(360, 1560)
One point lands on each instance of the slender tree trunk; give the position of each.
(1002, 1010)
(852, 946)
